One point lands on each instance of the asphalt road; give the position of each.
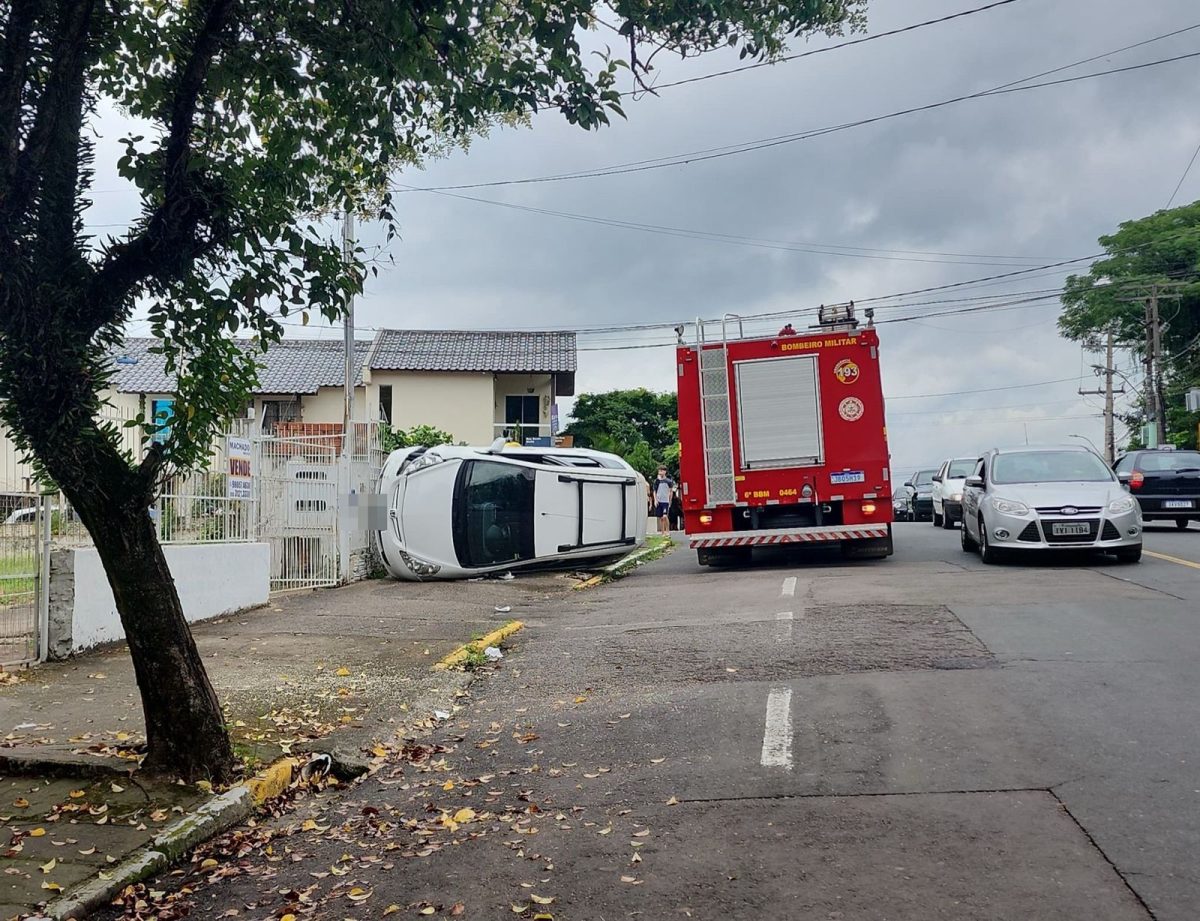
(920, 738)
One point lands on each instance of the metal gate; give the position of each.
(297, 498)
(20, 573)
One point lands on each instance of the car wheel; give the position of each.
(964, 535)
(937, 519)
(987, 553)
(1130, 554)
(947, 520)
(1181, 523)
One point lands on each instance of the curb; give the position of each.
(220, 813)
(94, 768)
(613, 568)
(460, 654)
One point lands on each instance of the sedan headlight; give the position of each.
(1121, 505)
(1009, 506)
(956, 497)
(419, 567)
(428, 459)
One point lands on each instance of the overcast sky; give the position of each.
(1037, 175)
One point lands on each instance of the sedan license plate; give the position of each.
(1177, 503)
(1069, 528)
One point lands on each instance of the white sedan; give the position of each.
(456, 512)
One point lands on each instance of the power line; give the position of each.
(686, 159)
(1179, 184)
(822, 249)
(847, 44)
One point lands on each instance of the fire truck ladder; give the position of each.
(715, 410)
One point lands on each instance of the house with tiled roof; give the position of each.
(475, 384)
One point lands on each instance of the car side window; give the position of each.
(1125, 464)
(981, 470)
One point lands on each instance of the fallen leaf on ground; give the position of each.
(629, 879)
(343, 672)
(672, 802)
(21, 802)
(464, 815)
(657, 760)
(543, 900)
(37, 833)
(288, 917)
(457, 909)
(581, 699)
(208, 864)
(358, 894)
(47, 867)
(89, 852)
(518, 909)
(448, 785)
(644, 833)
(391, 910)
(117, 788)
(53, 887)
(77, 794)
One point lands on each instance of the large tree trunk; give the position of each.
(185, 728)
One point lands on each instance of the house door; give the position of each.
(521, 416)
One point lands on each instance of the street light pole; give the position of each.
(348, 328)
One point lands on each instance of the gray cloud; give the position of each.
(1039, 174)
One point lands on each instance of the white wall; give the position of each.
(457, 402)
(212, 579)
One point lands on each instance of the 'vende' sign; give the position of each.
(237, 452)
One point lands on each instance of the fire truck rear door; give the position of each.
(779, 412)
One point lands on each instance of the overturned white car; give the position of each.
(455, 512)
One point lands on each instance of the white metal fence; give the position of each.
(302, 503)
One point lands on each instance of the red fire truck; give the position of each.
(783, 439)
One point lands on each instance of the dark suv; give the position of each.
(1165, 483)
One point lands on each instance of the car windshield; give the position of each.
(925, 477)
(493, 514)
(959, 469)
(1050, 467)
(1169, 462)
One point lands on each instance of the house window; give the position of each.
(275, 411)
(522, 416)
(385, 403)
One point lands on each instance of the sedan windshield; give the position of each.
(493, 514)
(925, 477)
(960, 469)
(1050, 467)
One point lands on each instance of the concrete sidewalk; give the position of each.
(341, 671)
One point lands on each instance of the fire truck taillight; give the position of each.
(868, 508)
(706, 519)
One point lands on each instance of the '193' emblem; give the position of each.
(846, 371)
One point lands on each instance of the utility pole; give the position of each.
(1151, 316)
(1108, 370)
(1160, 403)
(348, 329)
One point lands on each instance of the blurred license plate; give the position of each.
(1177, 503)
(1069, 529)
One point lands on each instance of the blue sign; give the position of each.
(539, 441)
(162, 412)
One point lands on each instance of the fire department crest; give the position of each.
(851, 409)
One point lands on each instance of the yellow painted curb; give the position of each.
(271, 780)
(460, 654)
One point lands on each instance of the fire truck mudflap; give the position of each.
(783, 440)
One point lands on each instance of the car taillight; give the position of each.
(1136, 479)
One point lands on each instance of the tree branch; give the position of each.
(58, 111)
(169, 240)
(14, 60)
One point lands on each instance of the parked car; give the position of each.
(1166, 484)
(1050, 499)
(919, 488)
(947, 491)
(455, 512)
(900, 506)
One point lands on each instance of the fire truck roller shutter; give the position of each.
(779, 412)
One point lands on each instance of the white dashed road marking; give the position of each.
(789, 587)
(777, 735)
(786, 619)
